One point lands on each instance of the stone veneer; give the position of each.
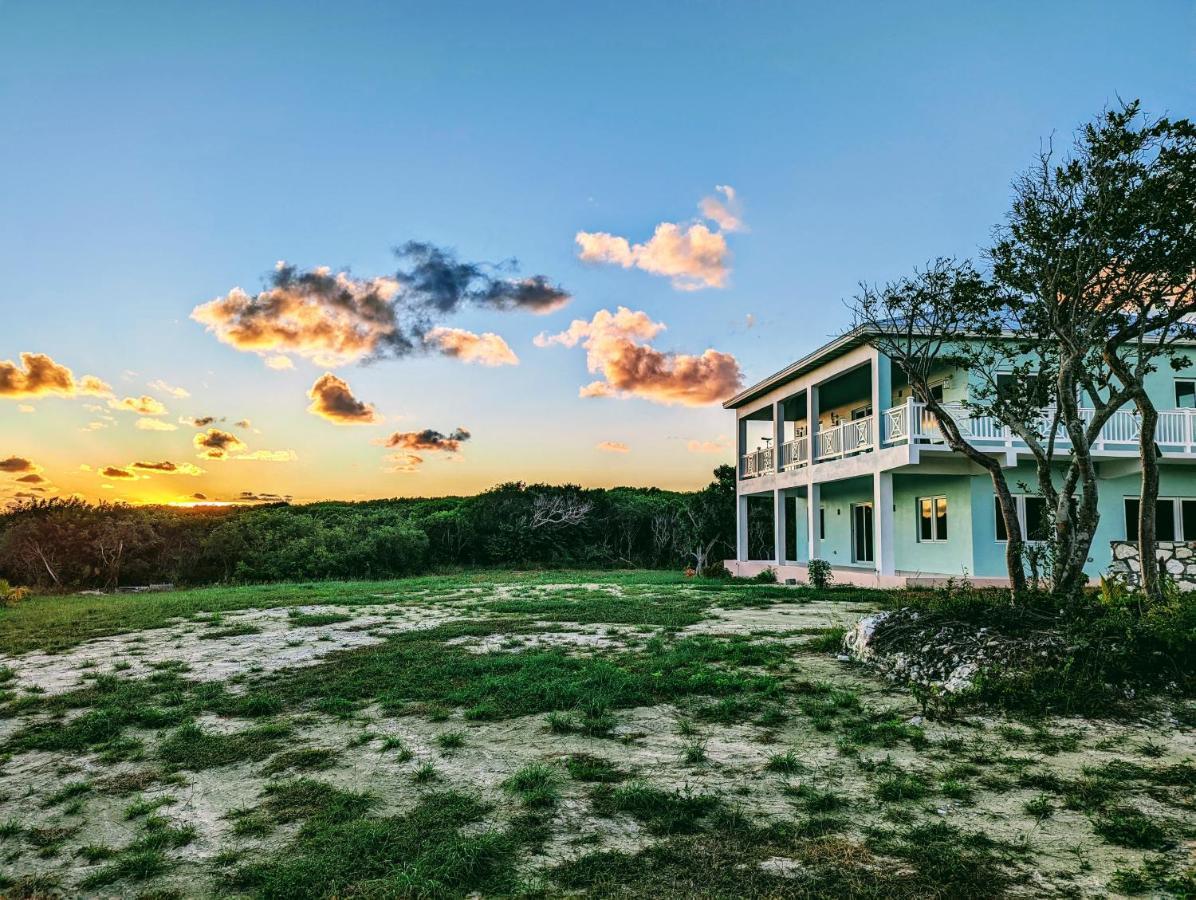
(1177, 557)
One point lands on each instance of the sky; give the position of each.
(387, 249)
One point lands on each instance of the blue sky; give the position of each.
(154, 156)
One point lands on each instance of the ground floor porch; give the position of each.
(920, 526)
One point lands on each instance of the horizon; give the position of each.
(687, 216)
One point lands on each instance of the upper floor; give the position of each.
(846, 408)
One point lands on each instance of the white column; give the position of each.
(741, 527)
(882, 523)
(778, 432)
(813, 502)
(812, 421)
(778, 509)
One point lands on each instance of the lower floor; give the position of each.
(910, 526)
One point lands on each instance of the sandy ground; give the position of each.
(648, 743)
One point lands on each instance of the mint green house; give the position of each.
(851, 469)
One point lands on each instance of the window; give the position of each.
(861, 412)
(1174, 519)
(1185, 393)
(932, 519)
(822, 523)
(1032, 517)
(936, 390)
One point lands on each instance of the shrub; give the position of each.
(820, 574)
(11, 596)
(767, 576)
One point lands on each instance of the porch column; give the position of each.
(812, 421)
(741, 527)
(740, 444)
(778, 432)
(813, 502)
(779, 523)
(882, 393)
(882, 509)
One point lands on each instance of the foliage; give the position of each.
(820, 574)
(71, 544)
(11, 596)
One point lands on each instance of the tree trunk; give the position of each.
(1147, 499)
(1014, 563)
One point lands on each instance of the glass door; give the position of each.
(861, 533)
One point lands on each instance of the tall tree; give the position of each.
(1100, 250)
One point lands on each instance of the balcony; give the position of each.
(912, 423)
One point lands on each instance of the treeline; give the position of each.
(71, 544)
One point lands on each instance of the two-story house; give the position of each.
(851, 469)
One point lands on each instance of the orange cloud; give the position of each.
(720, 446)
(143, 405)
(176, 392)
(332, 399)
(404, 462)
(116, 472)
(279, 362)
(14, 465)
(38, 375)
(692, 256)
(166, 467)
(487, 349)
(267, 456)
(217, 444)
(616, 347)
(613, 447)
(428, 440)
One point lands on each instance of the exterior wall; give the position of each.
(837, 497)
(950, 557)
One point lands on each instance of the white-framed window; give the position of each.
(861, 412)
(932, 519)
(1185, 393)
(1031, 517)
(1174, 519)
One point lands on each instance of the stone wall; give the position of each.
(1177, 557)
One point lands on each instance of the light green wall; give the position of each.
(837, 498)
(950, 557)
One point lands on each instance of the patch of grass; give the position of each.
(238, 630)
(316, 620)
(583, 767)
(191, 748)
(425, 852)
(901, 786)
(660, 811)
(307, 798)
(450, 740)
(1039, 807)
(425, 773)
(787, 763)
(68, 792)
(305, 759)
(1128, 827)
(147, 805)
(694, 753)
(536, 785)
(830, 640)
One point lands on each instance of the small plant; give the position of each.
(451, 740)
(1040, 807)
(583, 767)
(820, 574)
(11, 596)
(767, 576)
(535, 784)
(425, 773)
(694, 753)
(1127, 827)
(786, 763)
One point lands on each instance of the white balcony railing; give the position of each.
(846, 438)
(795, 453)
(759, 462)
(911, 422)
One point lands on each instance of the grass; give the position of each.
(584, 767)
(660, 811)
(536, 785)
(191, 748)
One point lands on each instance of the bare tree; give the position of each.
(559, 510)
(922, 323)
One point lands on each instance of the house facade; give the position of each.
(838, 461)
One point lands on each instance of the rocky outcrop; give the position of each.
(1177, 558)
(906, 646)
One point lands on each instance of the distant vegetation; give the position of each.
(71, 544)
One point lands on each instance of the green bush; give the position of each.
(820, 574)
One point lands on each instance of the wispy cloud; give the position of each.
(617, 348)
(613, 447)
(722, 445)
(725, 211)
(155, 425)
(144, 405)
(162, 387)
(333, 400)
